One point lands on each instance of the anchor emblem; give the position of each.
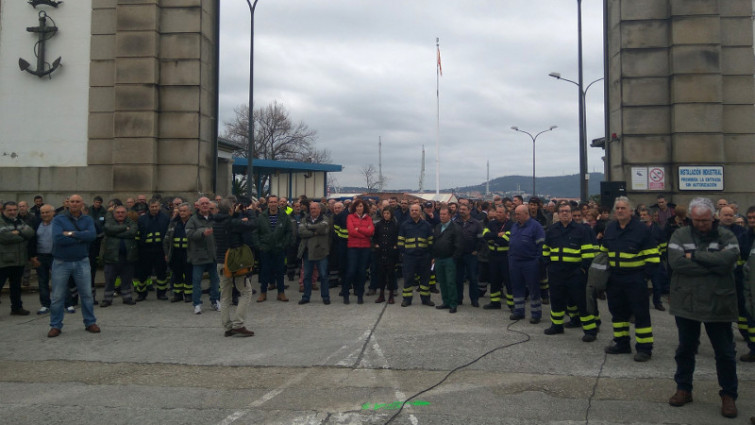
(53, 3)
(44, 33)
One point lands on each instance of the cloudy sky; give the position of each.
(357, 70)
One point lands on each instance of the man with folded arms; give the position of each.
(72, 232)
(703, 257)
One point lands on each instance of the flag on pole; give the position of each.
(440, 68)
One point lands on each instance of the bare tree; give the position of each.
(369, 176)
(275, 135)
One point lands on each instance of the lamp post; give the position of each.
(583, 176)
(250, 117)
(515, 128)
(583, 190)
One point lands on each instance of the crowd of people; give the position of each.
(560, 253)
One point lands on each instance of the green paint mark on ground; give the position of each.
(394, 405)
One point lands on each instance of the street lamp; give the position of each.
(583, 181)
(515, 128)
(250, 117)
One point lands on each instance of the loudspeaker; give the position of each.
(609, 191)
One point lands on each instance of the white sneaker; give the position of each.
(197, 309)
(216, 306)
(71, 309)
(43, 310)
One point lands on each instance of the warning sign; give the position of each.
(657, 178)
(701, 177)
(648, 178)
(639, 178)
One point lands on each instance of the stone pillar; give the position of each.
(737, 69)
(137, 67)
(696, 82)
(681, 92)
(181, 77)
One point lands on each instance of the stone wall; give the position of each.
(152, 107)
(681, 92)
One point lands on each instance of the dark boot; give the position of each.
(177, 298)
(141, 296)
(161, 295)
(381, 297)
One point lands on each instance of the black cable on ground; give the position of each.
(527, 338)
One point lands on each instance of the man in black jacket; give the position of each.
(466, 265)
(152, 229)
(230, 225)
(447, 249)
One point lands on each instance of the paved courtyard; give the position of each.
(158, 363)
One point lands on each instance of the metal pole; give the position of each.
(437, 128)
(250, 135)
(583, 187)
(534, 193)
(606, 103)
(534, 138)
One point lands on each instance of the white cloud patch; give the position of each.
(356, 70)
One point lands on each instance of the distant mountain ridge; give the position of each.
(550, 187)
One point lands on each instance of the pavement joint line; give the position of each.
(347, 362)
(367, 340)
(399, 394)
(595, 389)
(300, 377)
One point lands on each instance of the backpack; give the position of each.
(238, 261)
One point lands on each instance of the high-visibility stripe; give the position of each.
(495, 297)
(557, 317)
(341, 232)
(180, 242)
(644, 335)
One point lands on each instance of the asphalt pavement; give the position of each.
(158, 363)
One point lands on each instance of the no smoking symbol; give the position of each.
(656, 175)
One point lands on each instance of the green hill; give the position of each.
(550, 187)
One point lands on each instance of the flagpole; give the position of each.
(437, 129)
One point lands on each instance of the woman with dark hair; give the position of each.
(385, 242)
(361, 229)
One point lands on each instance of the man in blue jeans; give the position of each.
(314, 248)
(201, 255)
(72, 232)
(41, 257)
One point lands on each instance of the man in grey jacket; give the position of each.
(201, 255)
(314, 248)
(703, 257)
